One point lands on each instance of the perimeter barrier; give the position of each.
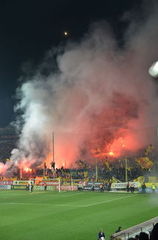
(58, 184)
(135, 230)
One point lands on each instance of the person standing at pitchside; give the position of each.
(101, 235)
(30, 187)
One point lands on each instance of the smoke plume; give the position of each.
(97, 96)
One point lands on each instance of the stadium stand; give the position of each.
(8, 139)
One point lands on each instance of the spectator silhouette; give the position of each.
(118, 230)
(154, 232)
(143, 236)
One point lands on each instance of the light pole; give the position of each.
(21, 173)
(126, 163)
(97, 151)
(96, 170)
(53, 146)
(126, 171)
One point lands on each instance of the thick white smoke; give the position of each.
(98, 92)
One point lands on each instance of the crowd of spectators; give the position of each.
(106, 169)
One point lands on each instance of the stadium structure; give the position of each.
(8, 139)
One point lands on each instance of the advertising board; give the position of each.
(123, 185)
(19, 187)
(22, 182)
(5, 187)
(9, 182)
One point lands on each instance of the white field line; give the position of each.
(68, 205)
(93, 204)
(20, 203)
(10, 203)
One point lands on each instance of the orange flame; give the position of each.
(111, 153)
(27, 170)
(2, 168)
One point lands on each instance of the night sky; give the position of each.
(29, 28)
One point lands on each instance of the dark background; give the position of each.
(29, 28)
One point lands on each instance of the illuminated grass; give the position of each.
(70, 215)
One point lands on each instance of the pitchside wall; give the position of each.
(133, 231)
(56, 184)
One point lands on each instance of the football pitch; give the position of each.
(71, 215)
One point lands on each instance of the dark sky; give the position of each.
(29, 28)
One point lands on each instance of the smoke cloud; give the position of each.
(98, 96)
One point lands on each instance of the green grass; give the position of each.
(71, 215)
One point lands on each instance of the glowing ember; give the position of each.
(27, 170)
(2, 168)
(111, 154)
